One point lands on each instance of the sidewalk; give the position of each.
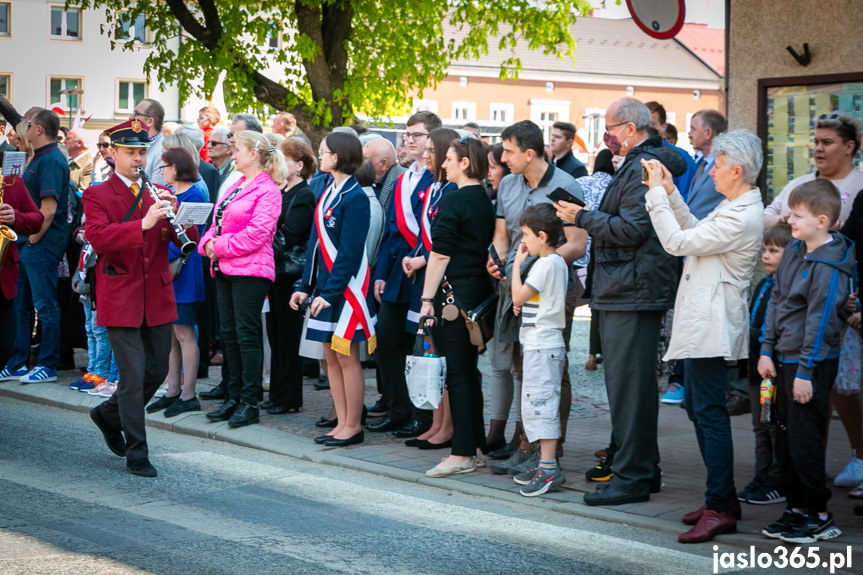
(589, 429)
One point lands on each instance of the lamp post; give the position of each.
(74, 91)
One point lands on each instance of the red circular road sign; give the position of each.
(661, 19)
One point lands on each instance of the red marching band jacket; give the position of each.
(134, 285)
(28, 220)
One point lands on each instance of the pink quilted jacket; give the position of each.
(245, 246)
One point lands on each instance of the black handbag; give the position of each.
(290, 263)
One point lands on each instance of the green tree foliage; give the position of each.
(334, 58)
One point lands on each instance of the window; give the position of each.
(545, 113)
(6, 86)
(503, 113)
(425, 106)
(5, 14)
(594, 127)
(464, 111)
(64, 101)
(136, 30)
(271, 42)
(65, 24)
(129, 93)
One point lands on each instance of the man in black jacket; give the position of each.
(562, 138)
(632, 283)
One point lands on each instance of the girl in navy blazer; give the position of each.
(337, 274)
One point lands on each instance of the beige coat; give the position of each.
(711, 313)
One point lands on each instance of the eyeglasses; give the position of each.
(429, 151)
(212, 143)
(322, 152)
(607, 128)
(230, 135)
(165, 166)
(413, 136)
(103, 145)
(136, 113)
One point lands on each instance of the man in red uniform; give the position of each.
(134, 291)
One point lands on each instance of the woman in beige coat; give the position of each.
(711, 311)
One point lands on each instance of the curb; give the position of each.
(287, 444)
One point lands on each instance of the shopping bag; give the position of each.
(425, 371)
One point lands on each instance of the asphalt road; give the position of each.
(67, 505)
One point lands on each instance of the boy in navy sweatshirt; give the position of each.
(800, 349)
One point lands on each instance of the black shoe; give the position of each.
(320, 440)
(426, 445)
(217, 393)
(281, 409)
(601, 472)
(162, 403)
(387, 424)
(502, 453)
(246, 414)
(322, 383)
(327, 423)
(753, 487)
(609, 495)
(378, 409)
(264, 405)
(141, 467)
(225, 412)
(737, 405)
(353, 440)
(413, 442)
(412, 429)
(113, 437)
(182, 406)
(656, 482)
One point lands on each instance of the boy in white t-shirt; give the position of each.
(541, 302)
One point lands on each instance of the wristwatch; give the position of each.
(427, 299)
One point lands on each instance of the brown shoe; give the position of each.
(692, 517)
(711, 524)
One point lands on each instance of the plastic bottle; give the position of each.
(768, 389)
(427, 347)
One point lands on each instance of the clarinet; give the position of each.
(188, 245)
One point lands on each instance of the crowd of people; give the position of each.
(353, 249)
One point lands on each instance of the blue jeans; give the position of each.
(705, 381)
(101, 358)
(37, 288)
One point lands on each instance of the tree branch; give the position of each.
(212, 21)
(191, 24)
(338, 18)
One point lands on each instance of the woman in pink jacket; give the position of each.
(240, 245)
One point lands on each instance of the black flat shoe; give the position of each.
(378, 409)
(320, 440)
(225, 412)
(141, 467)
(353, 440)
(266, 405)
(322, 383)
(327, 423)
(413, 442)
(246, 414)
(426, 445)
(181, 406)
(217, 393)
(163, 402)
(113, 437)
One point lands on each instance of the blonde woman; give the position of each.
(239, 244)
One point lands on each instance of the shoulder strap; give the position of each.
(134, 205)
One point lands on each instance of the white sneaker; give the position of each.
(109, 389)
(852, 475)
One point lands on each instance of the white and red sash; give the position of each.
(405, 218)
(425, 227)
(355, 312)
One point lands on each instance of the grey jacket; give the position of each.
(629, 270)
(805, 313)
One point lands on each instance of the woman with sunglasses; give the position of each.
(461, 235)
(439, 435)
(178, 169)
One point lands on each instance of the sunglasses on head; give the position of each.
(833, 116)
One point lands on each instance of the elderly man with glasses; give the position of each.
(151, 115)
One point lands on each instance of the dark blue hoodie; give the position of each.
(805, 313)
